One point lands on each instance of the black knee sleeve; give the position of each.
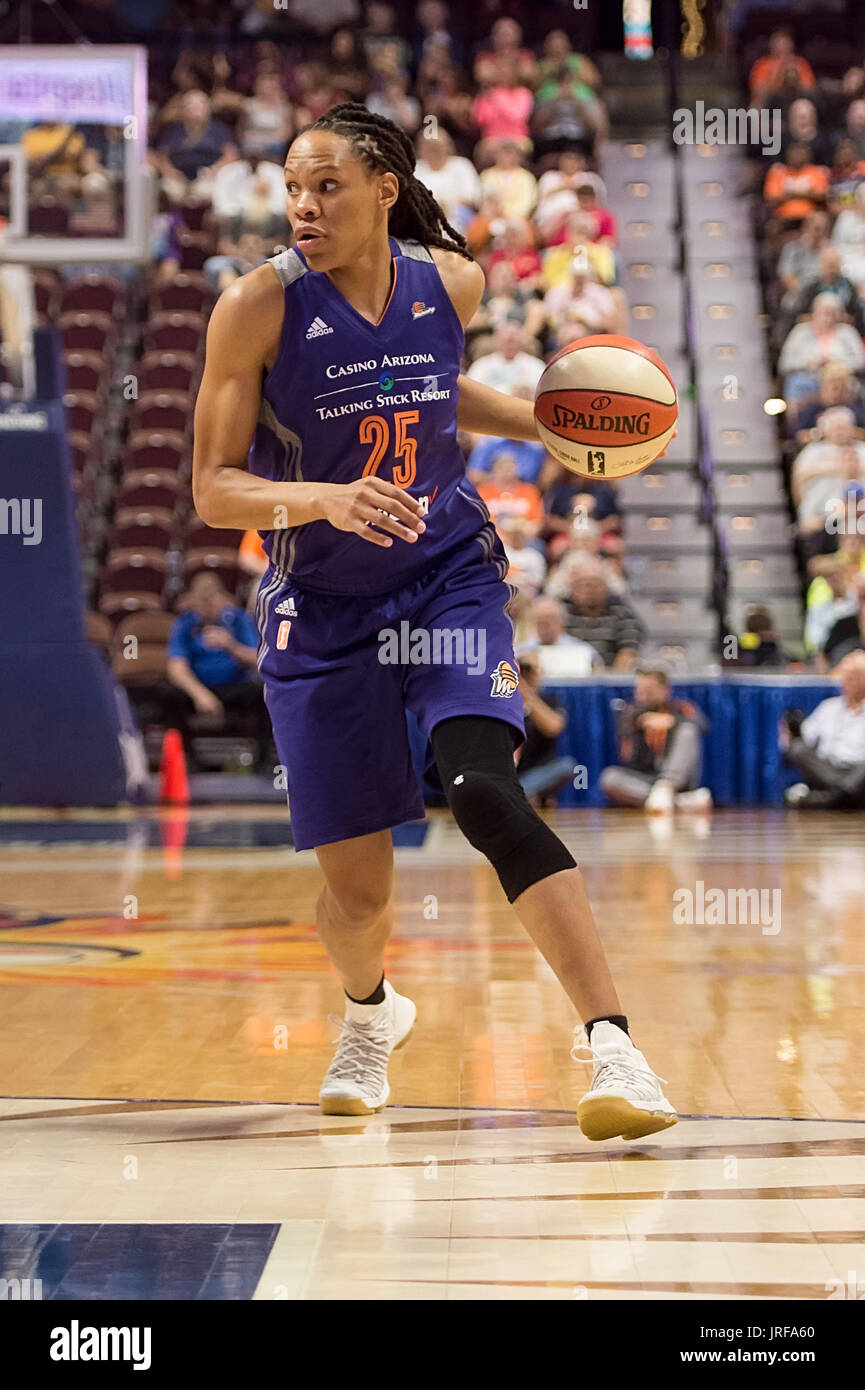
(475, 760)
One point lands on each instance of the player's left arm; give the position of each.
(480, 409)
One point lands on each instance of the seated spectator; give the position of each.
(561, 120)
(802, 127)
(452, 180)
(799, 259)
(577, 307)
(660, 750)
(541, 771)
(502, 110)
(576, 240)
(436, 36)
(855, 126)
(837, 387)
(394, 102)
(767, 75)
(514, 246)
(527, 568)
(602, 619)
(267, 122)
(606, 229)
(795, 187)
(528, 456)
(828, 747)
(190, 155)
(846, 172)
(558, 54)
(508, 368)
(830, 596)
(560, 656)
(505, 299)
(758, 645)
(570, 500)
(383, 46)
(445, 95)
(54, 151)
(506, 39)
(515, 186)
(829, 280)
(810, 345)
(822, 470)
(249, 196)
(212, 658)
(347, 63)
(507, 496)
(235, 259)
(848, 235)
(847, 633)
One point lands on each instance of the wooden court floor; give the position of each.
(164, 1029)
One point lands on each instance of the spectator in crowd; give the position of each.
(507, 496)
(575, 247)
(855, 126)
(384, 47)
(829, 280)
(579, 306)
(508, 368)
(528, 456)
(267, 122)
(515, 186)
(794, 188)
(190, 155)
(768, 74)
(502, 110)
(235, 258)
(248, 195)
(847, 633)
(323, 16)
(506, 49)
(848, 235)
(845, 175)
(757, 644)
(435, 35)
(799, 259)
(822, 470)
(606, 229)
(541, 770)
(809, 346)
(602, 619)
(562, 120)
(505, 298)
(828, 747)
(394, 102)
(837, 387)
(513, 245)
(560, 655)
(445, 95)
(831, 595)
(452, 179)
(347, 64)
(803, 128)
(660, 750)
(212, 655)
(558, 54)
(527, 568)
(570, 501)
(55, 154)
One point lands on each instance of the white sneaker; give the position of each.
(699, 800)
(660, 800)
(625, 1099)
(356, 1080)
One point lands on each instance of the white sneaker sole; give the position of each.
(355, 1105)
(613, 1117)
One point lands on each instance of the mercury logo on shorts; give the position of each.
(505, 681)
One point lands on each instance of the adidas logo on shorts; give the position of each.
(317, 328)
(286, 608)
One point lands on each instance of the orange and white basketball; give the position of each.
(606, 406)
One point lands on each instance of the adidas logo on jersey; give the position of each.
(287, 608)
(317, 329)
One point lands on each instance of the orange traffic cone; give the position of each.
(173, 782)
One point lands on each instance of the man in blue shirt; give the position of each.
(212, 653)
(528, 454)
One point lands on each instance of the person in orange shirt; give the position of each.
(795, 189)
(508, 498)
(770, 72)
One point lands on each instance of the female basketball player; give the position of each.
(338, 362)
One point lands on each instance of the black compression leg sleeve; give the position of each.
(475, 760)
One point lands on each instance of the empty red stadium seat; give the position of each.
(162, 410)
(92, 293)
(186, 294)
(85, 371)
(174, 333)
(156, 449)
(167, 371)
(86, 332)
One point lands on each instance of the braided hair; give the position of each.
(385, 148)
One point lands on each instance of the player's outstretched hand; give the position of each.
(369, 506)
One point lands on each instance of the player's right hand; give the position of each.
(369, 506)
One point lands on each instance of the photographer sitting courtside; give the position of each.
(659, 750)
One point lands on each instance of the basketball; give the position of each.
(606, 407)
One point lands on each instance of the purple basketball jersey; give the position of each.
(347, 398)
